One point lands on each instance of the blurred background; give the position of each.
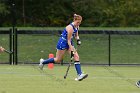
(109, 51)
(58, 13)
(35, 26)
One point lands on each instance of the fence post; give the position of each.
(109, 49)
(10, 46)
(13, 44)
(13, 14)
(15, 38)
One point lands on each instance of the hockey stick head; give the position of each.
(10, 52)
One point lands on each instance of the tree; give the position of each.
(60, 12)
(3, 12)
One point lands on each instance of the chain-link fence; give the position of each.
(98, 47)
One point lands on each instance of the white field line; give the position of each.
(104, 77)
(49, 75)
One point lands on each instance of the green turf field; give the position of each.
(29, 79)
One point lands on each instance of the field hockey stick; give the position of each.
(7, 51)
(72, 56)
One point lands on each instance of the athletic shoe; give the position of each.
(138, 84)
(81, 77)
(41, 65)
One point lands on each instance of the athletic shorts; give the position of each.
(62, 44)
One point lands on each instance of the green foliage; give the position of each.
(3, 12)
(3, 9)
(110, 13)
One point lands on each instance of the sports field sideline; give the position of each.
(102, 79)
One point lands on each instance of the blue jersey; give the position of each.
(63, 42)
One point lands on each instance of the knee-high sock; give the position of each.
(50, 60)
(78, 67)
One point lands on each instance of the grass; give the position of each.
(29, 79)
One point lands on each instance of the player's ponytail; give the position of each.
(77, 17)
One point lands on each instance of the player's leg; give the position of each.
(58, 58)
(77, 64)
(59, 55)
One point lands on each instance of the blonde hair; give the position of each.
(77, 17)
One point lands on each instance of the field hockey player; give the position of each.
(65, 44)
